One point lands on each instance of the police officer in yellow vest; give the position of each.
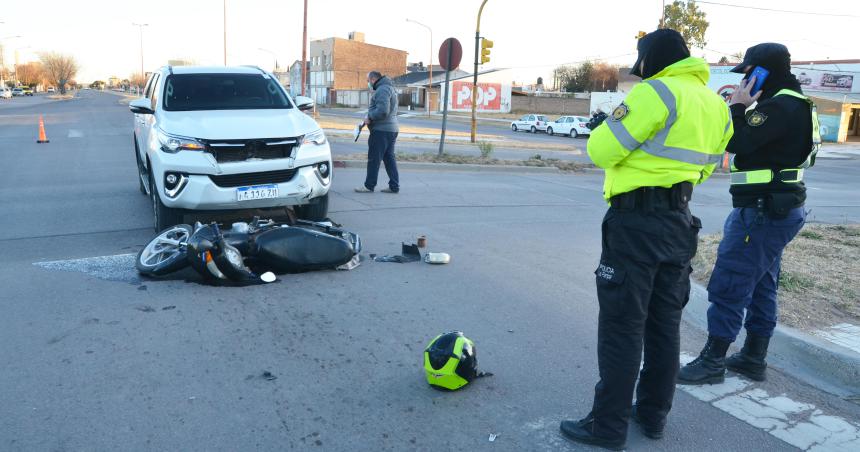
(665, 138)
(773, 143)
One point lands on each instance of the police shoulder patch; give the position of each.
(756, 118)
(620, 112)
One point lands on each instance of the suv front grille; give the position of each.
(245, 179)
(241, 150)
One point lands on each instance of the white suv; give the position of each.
(227, 138)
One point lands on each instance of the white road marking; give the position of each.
(844, 334)
(74, 133)
(800, 424)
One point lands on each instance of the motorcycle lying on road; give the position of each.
(249, 253)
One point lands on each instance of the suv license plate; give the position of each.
(256, 192)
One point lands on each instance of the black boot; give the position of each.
(709, 367)
(750, 362)
(582, 431)
(651, 430)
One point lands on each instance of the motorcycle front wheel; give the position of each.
(166, 253)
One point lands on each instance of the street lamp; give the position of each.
(140, 27)
(275, 57)
(430, 80)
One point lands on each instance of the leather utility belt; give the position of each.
(766, 176)
(655, 198)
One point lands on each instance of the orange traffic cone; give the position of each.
(42, 137)
(726, 160)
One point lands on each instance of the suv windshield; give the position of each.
(187, 92)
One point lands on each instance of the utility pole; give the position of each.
(475, 75)
(305, 50)
(140, 28)
(663, 15)
(429, 81)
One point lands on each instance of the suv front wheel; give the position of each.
(163, 216)
(316, 211)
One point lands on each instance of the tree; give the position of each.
(574, 79)
(30, 74)
(734, 58)
(59, 68)
(604, 77)
(137, 79)
(687, 19)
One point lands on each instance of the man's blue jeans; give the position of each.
(380, 148)
(746, 274)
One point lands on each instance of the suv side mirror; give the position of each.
(141, 106)
(304, 103)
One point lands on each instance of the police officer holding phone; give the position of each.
(772, 145)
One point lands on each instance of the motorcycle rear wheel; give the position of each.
(166, 253)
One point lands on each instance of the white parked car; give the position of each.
(51, 89)
(572, 126)
(5, 93)
(227, 138)
(530, 123)
(17, 91)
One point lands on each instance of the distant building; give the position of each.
(296, 78)
(114, 82)
(342, 64)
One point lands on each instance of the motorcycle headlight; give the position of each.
(175, 143)
(317, 137)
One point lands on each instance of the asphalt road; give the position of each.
(96, 358)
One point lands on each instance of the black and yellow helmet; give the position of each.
(450, 362)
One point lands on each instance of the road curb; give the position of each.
(455, 167)
(820, 363)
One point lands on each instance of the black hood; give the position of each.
(659, 49)
(776, 59)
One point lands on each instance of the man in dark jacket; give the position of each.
(772, 144)
(381, 119)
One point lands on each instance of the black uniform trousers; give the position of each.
(643, 284)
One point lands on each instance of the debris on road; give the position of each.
(437, 258)
(493, 437)
(409, 253)
(269, 376)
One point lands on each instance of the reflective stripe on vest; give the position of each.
(791, 175)
(657, 146)
(788, 176)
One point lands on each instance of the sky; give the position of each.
(530, 38)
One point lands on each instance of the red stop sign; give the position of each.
(450, 54)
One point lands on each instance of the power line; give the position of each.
(808, 13)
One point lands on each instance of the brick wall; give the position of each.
(353, 60)
(550, 105)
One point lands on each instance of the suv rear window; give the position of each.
(188, 92)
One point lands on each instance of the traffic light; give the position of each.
(486, 45)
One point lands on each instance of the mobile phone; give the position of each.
(760, 75)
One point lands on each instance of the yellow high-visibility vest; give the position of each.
(671, 128)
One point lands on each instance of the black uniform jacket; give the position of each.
(776, 135)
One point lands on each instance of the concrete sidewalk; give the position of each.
(818, 362)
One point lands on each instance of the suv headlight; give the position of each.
(174, 143)
(317, 137)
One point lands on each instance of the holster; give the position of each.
(778, 205)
